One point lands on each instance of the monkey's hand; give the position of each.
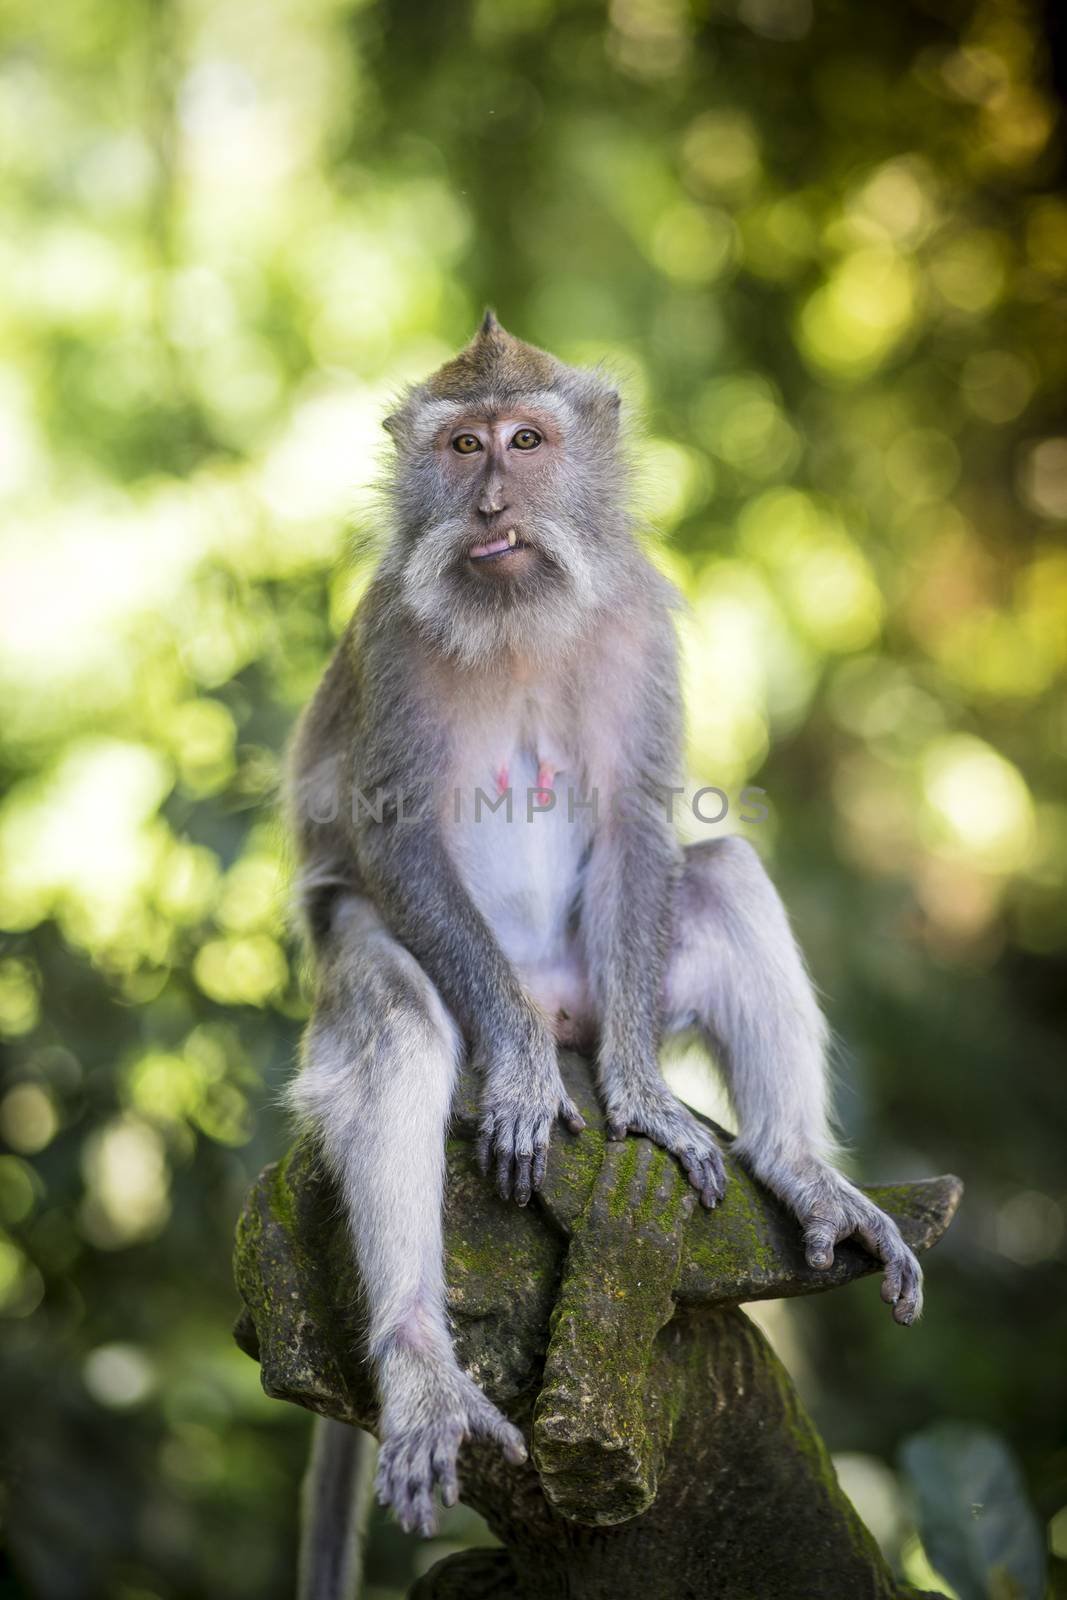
(831, 1209)
(651, 1109)
(429, 1416)
(524, 1095)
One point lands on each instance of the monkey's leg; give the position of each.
(380, 1058)
(736, 973)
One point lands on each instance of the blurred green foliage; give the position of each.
(824, 246)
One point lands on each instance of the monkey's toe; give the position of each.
(902, 1287)
(423, 1458)
(409, 1467)
(840, 1211)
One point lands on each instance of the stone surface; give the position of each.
(670, 1454)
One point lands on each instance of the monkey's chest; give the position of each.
(519, 843)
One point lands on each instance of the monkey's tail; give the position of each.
(334, 1502)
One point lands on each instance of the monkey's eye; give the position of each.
(466, 443)
(526, 439)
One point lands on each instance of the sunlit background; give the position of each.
(822, 246)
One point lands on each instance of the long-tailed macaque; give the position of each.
(488, 866)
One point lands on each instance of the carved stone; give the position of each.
(670, 1455)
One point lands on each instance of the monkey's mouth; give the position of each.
(504, 545)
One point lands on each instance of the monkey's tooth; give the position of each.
(512, 537)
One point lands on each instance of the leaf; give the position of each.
(975, 1520)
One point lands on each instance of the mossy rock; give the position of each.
(670, 1455)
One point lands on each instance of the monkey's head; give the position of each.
(507, 492)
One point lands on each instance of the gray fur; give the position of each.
(737, 976)
(429, 942)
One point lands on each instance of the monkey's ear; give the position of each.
(393, 424)
(602, 404)
(489, 325)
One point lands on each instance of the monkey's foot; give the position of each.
(515, 1133)
(653, 1111)
(422, 1435)
(831, 1209)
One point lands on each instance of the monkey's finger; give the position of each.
(695, 1171)
(523, 1178)
(693, 1166)
(617, 1130)
(717, 1175)
(891, 1282)
(503, 1172)
(880, 1238)
(910, 1304)
(571, 1116)
(509, 1439)
(539, 1161)
(387, 1482)
(490, 1423)
(712, 1187)
(444, 1466)
(819, 1241)
(401, 1498)
(484, 1148)
(423, 1511)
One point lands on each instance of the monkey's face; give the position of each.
(503, 472)
(507, 490)
(505, 550)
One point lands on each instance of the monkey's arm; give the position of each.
(630, 887)
(416, 886)
(361, 796)
(413, 881)
(627, 915)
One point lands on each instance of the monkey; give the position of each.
(515, 639)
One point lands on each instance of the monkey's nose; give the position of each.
(492, 503)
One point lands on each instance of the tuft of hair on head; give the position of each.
(494, 365)
(499, 370)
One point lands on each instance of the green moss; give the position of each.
(574, 1166)
(468, 1256)
(733, 1243)
(490, 1258)
(280, 1194)
(620, 1201)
